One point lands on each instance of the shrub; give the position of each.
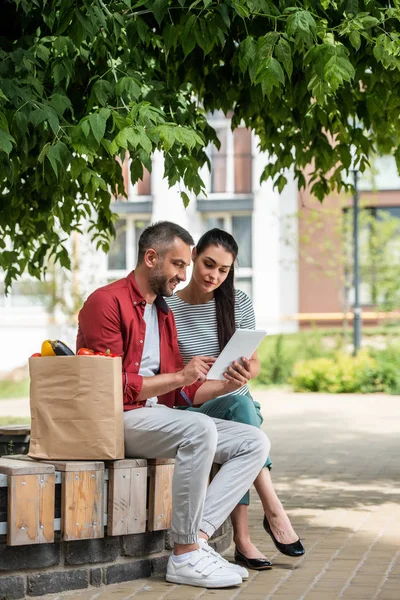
(278, 354)
(340, 374)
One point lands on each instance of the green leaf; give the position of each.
(129, 86)
(47, 113)
(136, 170)
(185, 199)
(60, 103)
(265, 45)
(128, 137)
(58, 153)
(270, 75)
(188, 39)
(98, 126)
(170, 35)
(355, 39)
(159, 8)
(302, 27)
(241, 9)
(167, 135)
(247, 53)
(102, 90)
(284, 54)
(6, 141)
(43, 52)
(185, 137)
(85, 126)
(337, 70)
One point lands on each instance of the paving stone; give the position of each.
(12, 588)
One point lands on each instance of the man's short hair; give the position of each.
(161, 235)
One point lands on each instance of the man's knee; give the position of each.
(203, 431)
(261, 444)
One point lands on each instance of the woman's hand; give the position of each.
(237, 375)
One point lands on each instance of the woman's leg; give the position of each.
(241, 534)
(277, 518)
(244, 410)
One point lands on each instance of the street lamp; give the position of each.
(357, 321)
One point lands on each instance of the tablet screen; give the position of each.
(243, 343)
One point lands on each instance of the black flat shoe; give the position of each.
(257, 564)
(294, 549)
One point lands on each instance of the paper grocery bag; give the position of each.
(76, 408)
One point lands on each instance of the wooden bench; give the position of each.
(122, 496)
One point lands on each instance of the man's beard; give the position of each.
(159, 284)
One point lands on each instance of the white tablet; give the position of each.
(243, 343)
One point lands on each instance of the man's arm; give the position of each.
(195, 370)
(100, 328)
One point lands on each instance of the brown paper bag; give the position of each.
(76, 408)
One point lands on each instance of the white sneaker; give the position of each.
(202, 569)
(244, 574)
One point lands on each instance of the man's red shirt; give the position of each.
(112, 318)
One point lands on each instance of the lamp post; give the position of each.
(357, 307)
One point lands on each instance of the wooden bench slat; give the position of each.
(30, 516)
(15, 429)
(127, 492)
(161, 461)
(11, 465)
(126, 463)
(82, 504)
(160, 495)
(67, 466)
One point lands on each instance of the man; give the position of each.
(131, 318)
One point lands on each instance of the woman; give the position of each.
(207, 312)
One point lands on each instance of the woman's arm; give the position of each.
(236, 376)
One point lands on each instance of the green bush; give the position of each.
(278, 354)
(369, 371)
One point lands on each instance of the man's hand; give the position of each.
(237, 375)
(197, 369)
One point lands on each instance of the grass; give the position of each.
(14, 389)
(15, 420)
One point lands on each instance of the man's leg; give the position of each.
(160, 432)
(241, 451)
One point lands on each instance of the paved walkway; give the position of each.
(336, 468)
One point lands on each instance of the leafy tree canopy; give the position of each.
(83, 82)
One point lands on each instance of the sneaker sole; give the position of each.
(206, 584)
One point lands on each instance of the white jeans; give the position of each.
(196, 441)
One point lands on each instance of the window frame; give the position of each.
(225, 124)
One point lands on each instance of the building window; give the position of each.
(231, 165)
(122, 256)
(117, 253)
(241, 231)
(240, 226)
(141, 188)
(242, 161)
(379, 256)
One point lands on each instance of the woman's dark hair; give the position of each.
(225, 294)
